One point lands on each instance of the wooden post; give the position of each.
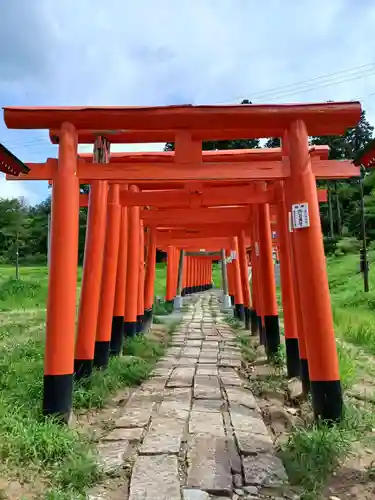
(230, 277)
(91, 279)
(132, 275)
(258, 318)
(169, 277)
(62, 286)
(117, 334)
(238, 295)
(271, 318)
(108, 285)
(180, 278)
(287, 287)
(141, 280)
(150, 279)
(314, 292)
(245, 279)
(224, 280)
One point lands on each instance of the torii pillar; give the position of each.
(312, 276)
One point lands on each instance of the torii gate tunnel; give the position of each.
(227, 203)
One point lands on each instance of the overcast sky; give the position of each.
(156, 52)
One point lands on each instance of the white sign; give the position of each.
(256, 249)
(233, 254)
(300, 215)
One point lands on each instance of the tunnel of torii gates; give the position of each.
(227, 198)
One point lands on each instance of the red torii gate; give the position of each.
(189, 125)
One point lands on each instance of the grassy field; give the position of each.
(59, 463)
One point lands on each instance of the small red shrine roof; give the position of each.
(10, 164)
(366, 156)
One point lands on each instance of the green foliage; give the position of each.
(162, 308)
(25, 229)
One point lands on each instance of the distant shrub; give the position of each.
(330, 245)
(348, 245)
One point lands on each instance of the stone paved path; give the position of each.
(195, 432)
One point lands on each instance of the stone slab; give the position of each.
(135, 416)
(190, 352)
(111, 455)
(155, 477)
(193, 343)
(208, 405)
(207, 387)
(209, 353)
(231, 362)
(154, 385)
(207, 369)
(187, 362)
(123, 434)
(206, 423)
(238, 396)
(252, 444)
(173, 351)
(162, 371)
(207, 361)
(175, 409)
(164, 436)
(175, 394)
(246, 425)
(230, 379)
(181, 377)
(264, 470)
(209, 466)
(195, 494)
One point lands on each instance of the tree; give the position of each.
(347, 201)
(273, 142)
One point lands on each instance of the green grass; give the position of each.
(313, 452)
(57, 462)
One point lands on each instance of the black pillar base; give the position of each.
(139, 327)
(253, 321)
(101, 354)
(58, 397)
(183, 292)
(271, 325)
(147, 319)
(327, 400)
(169, 302)
(232, 299)
(240, 311)
(130, 329)
(117, 336)
(247, 318)
(83, 368)
(293, 363)
(305, 377)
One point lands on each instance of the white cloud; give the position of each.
(18, 189)
(148, 52)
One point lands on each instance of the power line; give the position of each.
(354, 71)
